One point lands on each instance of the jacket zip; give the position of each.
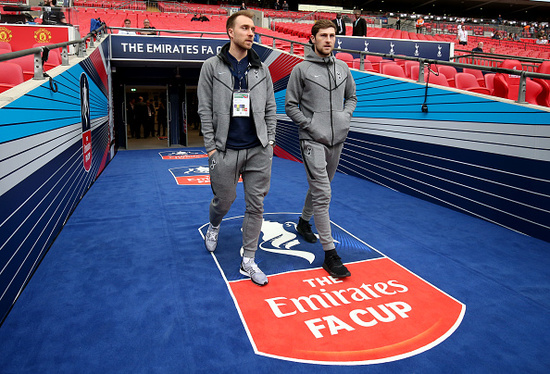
(330, 99)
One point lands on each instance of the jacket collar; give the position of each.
(314, 57)
(253, 58)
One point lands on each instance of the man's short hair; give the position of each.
(231, 20)
(322, 24)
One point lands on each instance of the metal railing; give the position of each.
(307, 16)
(492, 59)
(130, 4)
(41, 53)
(425, 62)
(166, 31)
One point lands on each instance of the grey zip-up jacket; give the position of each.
(320, 99)
(215, 94)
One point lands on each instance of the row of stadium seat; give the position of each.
(18, 70)
(118, 4)
(301, 31)
(167, 21)
(292, 31)
(472, 80)
(192, 8)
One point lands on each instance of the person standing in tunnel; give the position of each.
(320, 99)
(238, 118)
(140, 119)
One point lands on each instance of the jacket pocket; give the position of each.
(320, 128)
(215, 121)
(261, 126)
(341, 122)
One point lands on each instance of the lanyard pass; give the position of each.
(241, 103)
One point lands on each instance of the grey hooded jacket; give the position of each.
(320, 99)
(215, 94)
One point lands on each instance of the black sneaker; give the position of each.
(304, 228)
(334, 266)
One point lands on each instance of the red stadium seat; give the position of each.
(476, 73)
(503, 89)
(408, 66)
(449, 72)
(27, 64)
(383, 63)
(507, 85)
(438, 79)
(468, 82)
(6, 45)
(393, 70)
(533, 90)
(366, 64)
(489, 82)
(544, 96)
(346, 57)
(10, 75)
(414, 72)
(375, 61)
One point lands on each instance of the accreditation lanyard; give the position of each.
(241, 97)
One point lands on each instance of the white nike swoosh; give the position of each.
(221, 72)
(316, 76)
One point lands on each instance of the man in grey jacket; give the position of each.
(320, 99)
(238, 117)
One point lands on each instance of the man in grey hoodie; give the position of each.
(238, 117)
(320, 99)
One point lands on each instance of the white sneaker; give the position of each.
(250, 269)
(211, 238)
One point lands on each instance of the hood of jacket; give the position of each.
(253, 58)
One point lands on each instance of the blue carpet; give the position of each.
(128, 287)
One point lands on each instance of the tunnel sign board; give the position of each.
(164, 48)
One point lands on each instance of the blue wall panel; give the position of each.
(474, 153)
(43, 174)
(510, 191)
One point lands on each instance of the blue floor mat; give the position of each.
(127, 287)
